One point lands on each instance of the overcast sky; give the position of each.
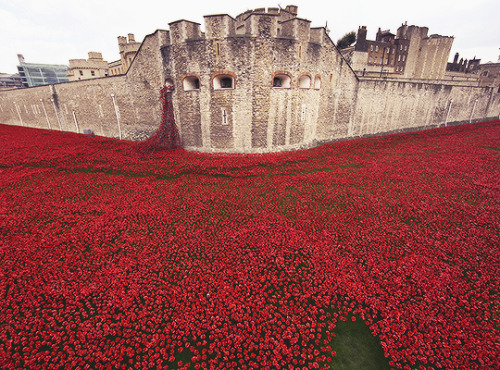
(54, 31)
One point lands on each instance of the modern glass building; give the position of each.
(41, 74)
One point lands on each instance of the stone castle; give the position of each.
(261, 82)
(95, 66)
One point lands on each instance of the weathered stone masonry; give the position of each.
(260, 82)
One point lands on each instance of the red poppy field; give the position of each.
(113, 257)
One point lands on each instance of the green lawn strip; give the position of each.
(356, 348)
(491, 148)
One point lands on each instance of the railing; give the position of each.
(391, 76)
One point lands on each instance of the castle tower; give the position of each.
(427, 55)
(128, 49)
(255, 83)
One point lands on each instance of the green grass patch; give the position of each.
(349, 165)
(491, 148)
(357, 348)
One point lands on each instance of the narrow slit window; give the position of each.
(225, 120)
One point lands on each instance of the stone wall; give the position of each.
(125, 106)
(387, 106)
(319, 98)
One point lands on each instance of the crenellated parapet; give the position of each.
(219, 26)
(260, 23)
(183, 30)
(297, 28)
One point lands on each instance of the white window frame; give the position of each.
(305, 82)
(189, 83)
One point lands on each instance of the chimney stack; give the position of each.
(361, 44)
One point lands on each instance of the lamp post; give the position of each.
(448, 114)
(473, 109)
(117, 116)
(45, 112)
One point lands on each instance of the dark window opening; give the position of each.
(281, 80)
(223, 81)
(226, 83)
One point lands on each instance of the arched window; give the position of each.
(305, 82)
(191, 83)
(224, 81)
(317, 82)
(281, 80)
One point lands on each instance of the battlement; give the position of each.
(318, 35)
(260, 22)
(95, 55)
(409, 32)
(219, 26)
(122, 40)
(289, 12)
(183, 30)
(296, 28)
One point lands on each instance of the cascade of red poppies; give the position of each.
(167, 135)
(184, 260)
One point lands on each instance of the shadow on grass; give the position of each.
(357, 348)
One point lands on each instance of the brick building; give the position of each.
(409, 53)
